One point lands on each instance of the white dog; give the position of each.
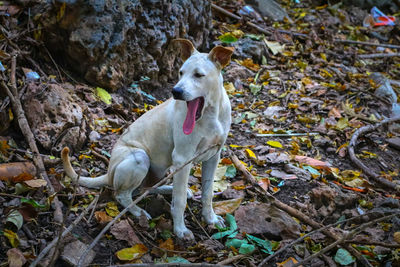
(198, 116)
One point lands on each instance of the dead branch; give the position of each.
(145, 193)
(231, 259)
(66, 231)
(258, 28)
(291, 211)
(360, 132)
(344, 238)
(374, 243)
(378, 55)
(97, 154)
(27, 132)
(367, 43)
(175, 264)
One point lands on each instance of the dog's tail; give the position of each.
(85, 181)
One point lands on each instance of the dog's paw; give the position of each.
(184, 234)
(189, 193)
(214, 219)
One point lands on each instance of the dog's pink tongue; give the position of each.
(190, 121)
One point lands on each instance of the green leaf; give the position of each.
(230, 219)
(255, 88)
(21, 188)
(15, 218)
(246, 249)
(227, 38)
(230, 172)
(264, 244)
(343, 257)
(103, 95)
(311, 170)
(34, 203)
(220, 235)
(256, 37)
(176, 259)
(236, 243)
(166, 234)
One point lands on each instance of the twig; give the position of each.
(175, 264)
(231, 259)
(344, 238)
(145, 193)
(27, 132)
(378, 55)
(258, 28)
(366, 43)
(94, 207)
(55, 64)
(286, 135)
(198, 223)
(66, 231)
(291, 211)
(104, 159)
(360, 132)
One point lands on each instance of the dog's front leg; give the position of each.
(207, 180)
(179, 198)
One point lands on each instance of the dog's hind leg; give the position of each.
(128, 175)
(167, 190)
(207, 180)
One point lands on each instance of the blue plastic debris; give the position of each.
(2, 67)
(32, 75)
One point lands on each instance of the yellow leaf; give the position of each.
(226, 206)
(12, 237)
(167, 244)
(248, 63)
(251, 154)
(103, 95)
(102, 217)
(287, 263)
(234, 146)
(229, 88)
(355, 183)
(112, 209)
(132, 253)
(61, 12)
(276, 144)
(10, 114)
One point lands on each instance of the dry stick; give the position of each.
(378, 55)
(374, 243)
(232, 259)
(366, 43)
(27, 132)
(258, 28)
(361, 131)
(344, 238)
(145, 193)
(311, 233)
(175, 264)
(66, 231)
(291, 211)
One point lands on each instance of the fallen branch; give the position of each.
(344, 238)
(378, 55)
(360, 132)
(66, 231)
(258, 28)
(145, 193)
(374, 243)
(292, 212)
(231, 259)
(366, 43)
(175, 264)
(27, 132)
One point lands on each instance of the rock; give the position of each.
(275, 158)
(262, 218)
(231, 193)
(122, 41)
(94, 136)
(73, 251)
(270, 9)
(55, 116)
(249, 48)
(299, 172)
(235, 71)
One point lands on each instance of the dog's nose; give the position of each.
(177, 92)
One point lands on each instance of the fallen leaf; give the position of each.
(287, 263)
(220, 184)
(264, 183)
(226, 206)
(103, 95)
(15, 258)
(312, 162)
(251, 154)
(15, 218)
(132, 253)
(167, 244)
(102, 217)
(112, 209)
(177, 259)
(12, 237)
(35, 183)
(227, 38)
(343, 257)
(123, 231)
(276, 144)
(275, 47)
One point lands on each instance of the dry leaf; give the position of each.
(36, 183)
(226, 206)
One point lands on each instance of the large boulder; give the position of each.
(112, 43)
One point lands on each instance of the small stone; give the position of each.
(94, 136)
(394, 142)
(73, 251)
(300, 173)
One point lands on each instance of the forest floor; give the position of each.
(299, 93)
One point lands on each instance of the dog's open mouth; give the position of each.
(194, 110)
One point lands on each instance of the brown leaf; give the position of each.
(28, 212)
(102, 217)
(36, 183)
(123, 231)
(226, 206)
(17, 171)
(15, 258)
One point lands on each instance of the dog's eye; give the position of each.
(180, 73)
(198, 75)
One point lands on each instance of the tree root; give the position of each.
(360, 132)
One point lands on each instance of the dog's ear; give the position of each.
(187, 48)
(221, 55)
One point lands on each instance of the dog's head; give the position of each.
(200, 79)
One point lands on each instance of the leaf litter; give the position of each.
(294, 87)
